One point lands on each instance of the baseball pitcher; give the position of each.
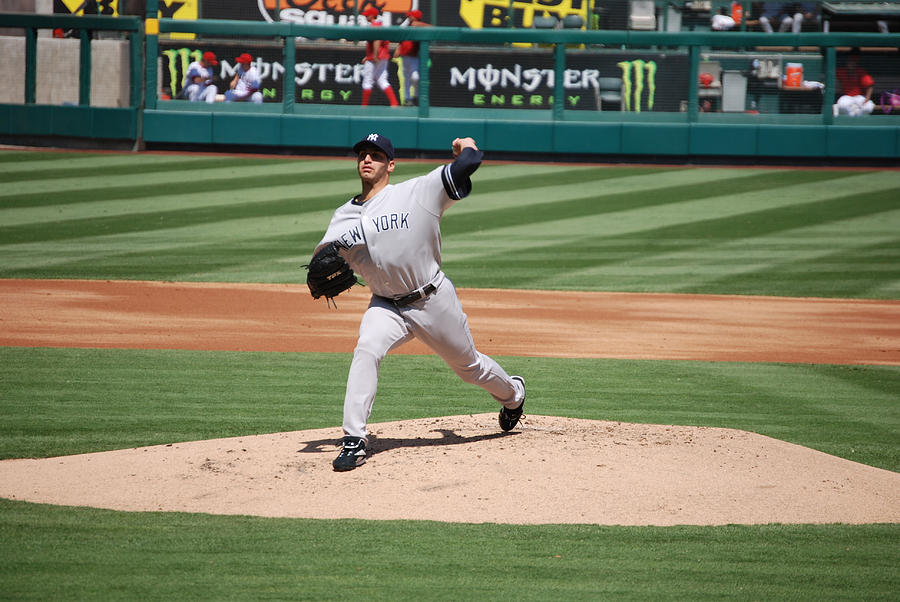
(390, 235)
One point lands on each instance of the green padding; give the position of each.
(230, 128)
(175, 126)
(5, 113)
(403, 131)
(655, 139)
(36, 120)
(601, 138)
(114, 123)
(862, 141)
(326, 131)
(518, 136)
(791, 141)
(438, 134)
(725, 139)
(72, 121)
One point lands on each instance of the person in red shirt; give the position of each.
(408, 54)
(856, 87)
(375, 64)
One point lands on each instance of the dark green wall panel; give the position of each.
(5, 113)
(438, 134)
(178, 127)
(792, 141)
(325, 131)
(600, 138)
(35, 120)
(862, 141)
(518, 136)
(72, 121)
(655, 138)
(233, 128)
(118, 124)
(726, 139)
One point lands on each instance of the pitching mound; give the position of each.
(463, 469)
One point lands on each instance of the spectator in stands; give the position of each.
(246, 83)
(408, 53)
(785, 16)
(375, 64)
(722, 21)
(856, 87)
(198, 81)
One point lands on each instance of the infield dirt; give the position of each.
(461, 468)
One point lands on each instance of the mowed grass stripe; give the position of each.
(12, 162)
(546, 231)
(172, 179)
(554, 191)
(689, 256)
(857, 270)
(98, 214)
(652, 246)
(163, 220)
(485, 182)
(58, 170)
(102, 255)
(599, 202)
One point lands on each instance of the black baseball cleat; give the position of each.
(510, 418)
(353, 454)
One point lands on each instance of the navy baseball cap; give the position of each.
(378, 141)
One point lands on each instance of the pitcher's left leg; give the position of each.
(440, 323)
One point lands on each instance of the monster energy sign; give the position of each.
(510, 79)
(634, 74)
(525, 79)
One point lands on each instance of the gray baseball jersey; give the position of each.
(393, 240)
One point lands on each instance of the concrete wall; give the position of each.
(57, 71)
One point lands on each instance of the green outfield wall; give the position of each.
(464, 72)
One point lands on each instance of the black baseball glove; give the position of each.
(329, 273)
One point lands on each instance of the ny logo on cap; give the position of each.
(372, 137)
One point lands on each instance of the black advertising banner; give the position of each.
(476, 14)
(477, 78)
(524, 79)
(311, 12)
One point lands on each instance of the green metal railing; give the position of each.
(695, 42)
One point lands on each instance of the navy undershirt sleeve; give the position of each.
(455, 176)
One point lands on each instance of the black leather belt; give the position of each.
(414, 296)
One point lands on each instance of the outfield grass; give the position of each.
(167, 556)
(792, 232)
(705, 230)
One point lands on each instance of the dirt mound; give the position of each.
(463, 469)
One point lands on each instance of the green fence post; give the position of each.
(559, 72)
(84, 71)
(151, 31)
(693, 74)
(424, 79)
(136, 47)
(30, 65)
(290, 57)
(828, 92)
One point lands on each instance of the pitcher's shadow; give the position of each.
(381, 444)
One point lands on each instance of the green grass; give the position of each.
(790, 232)
(794, 232)
(64, 401)
(96, 554)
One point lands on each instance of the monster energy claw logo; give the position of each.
(636, 85)
(184, 56)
